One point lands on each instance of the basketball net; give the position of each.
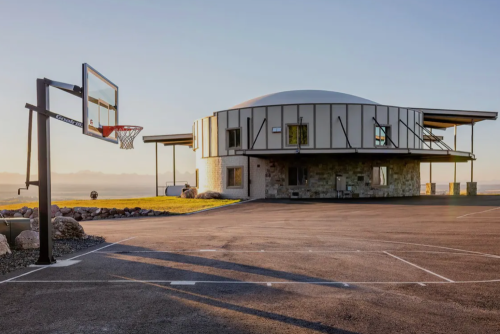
(125, 133)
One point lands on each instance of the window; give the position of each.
(235, 177)
(381, 134)
(293, 134)
(380, 177)
(297, 176)
(233, 139)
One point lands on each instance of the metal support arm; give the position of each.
(415, 134)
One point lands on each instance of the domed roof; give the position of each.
(302, 97)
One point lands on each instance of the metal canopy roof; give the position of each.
(443, 118)
(168, 140)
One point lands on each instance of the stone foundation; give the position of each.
(454, 189)
(403, 176)
(471, 188)
(430, 189)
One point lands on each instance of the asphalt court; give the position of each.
(356, 266)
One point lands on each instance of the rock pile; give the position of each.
(81, 213)
(209, 195)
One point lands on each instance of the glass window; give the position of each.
(381, 134)
(235, 176)
(380, 177)
(234, 138)
(297, 176)
(293, 134)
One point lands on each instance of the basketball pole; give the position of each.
(44, 186)
(156, 169)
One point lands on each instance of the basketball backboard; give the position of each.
(100, 104)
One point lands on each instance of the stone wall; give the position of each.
(403, 176)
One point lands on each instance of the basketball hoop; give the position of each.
(125, 133)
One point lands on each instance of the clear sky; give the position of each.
(176, 61)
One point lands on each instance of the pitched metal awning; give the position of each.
(185, 139)
(445, 118)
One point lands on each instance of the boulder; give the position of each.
(28, 213)
(65, 210)
(18, 215)
(58, 214)
(67, 228)
(120, 211)
(34, 224)
(54, 208)
(189, 193)
(209, 195)
(4, 245)
(27, 240)
(113, 211)
(23, 210)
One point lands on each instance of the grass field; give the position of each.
(172, 204)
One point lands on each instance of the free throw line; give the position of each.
(414, 265)
(473, 213)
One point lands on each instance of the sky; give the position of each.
(177, 61)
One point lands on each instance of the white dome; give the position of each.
(302, 97)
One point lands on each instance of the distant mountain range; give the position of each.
(89, 177)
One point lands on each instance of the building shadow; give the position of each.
(423, 200)
(209, 294)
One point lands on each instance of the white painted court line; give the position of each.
(98, 249)
(412, 264)
(181, 282)
(217, 207)
(256, 282)
(41, 268)
(474, 213)
(58, 264)
(173, 251)
(424, 245)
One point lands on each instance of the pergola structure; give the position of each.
(183, 139)
(443, 119)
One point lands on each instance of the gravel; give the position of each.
(23, 258)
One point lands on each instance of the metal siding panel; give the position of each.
(233, 118)
(403, 136)
(338, 137)
(274, 121)
(323, 126)
(214, 137)
(411, 125)
(244, 114)
(354, 125)
(393, 122)
(259, 115)
(206, 138)
(368, 126)
(382, 115)
(221, 125)
(290, 116)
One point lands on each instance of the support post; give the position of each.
(472, 151)
(455, 148)
(173, 148)
(430, 163)
(156, 151)
(44, 191)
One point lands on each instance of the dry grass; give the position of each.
(172, 204)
